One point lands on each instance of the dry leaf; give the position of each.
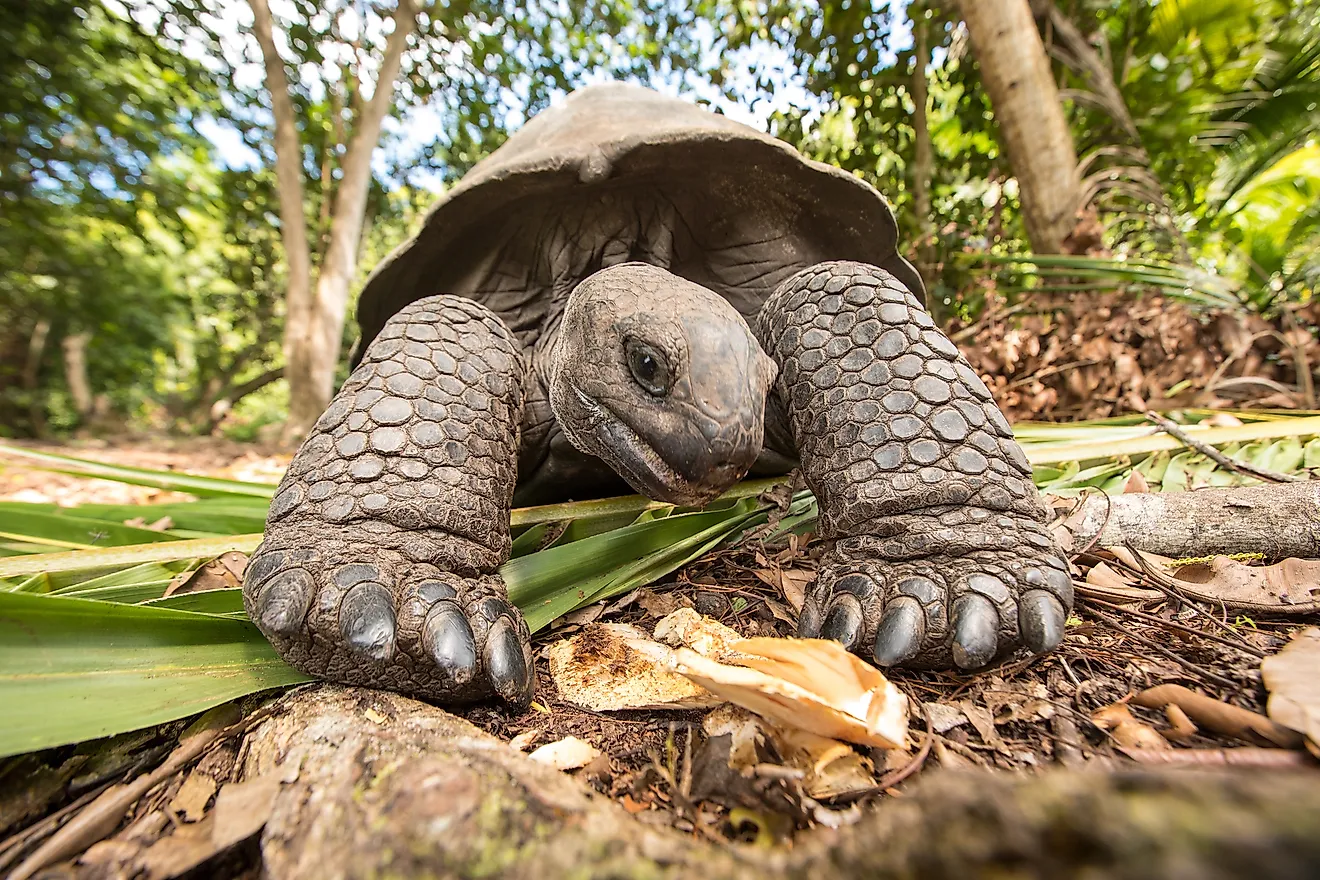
(794, 583)
(1181, 728)
(1136, 483)
(943, 717)
(659, 604)
(811, 684)
(1128, 732)
(1290, 587)
(222, 573)
(569, 753)
(193, 796)
(609, 667)
(525, 739)
(1220, 717)
(242, 808)
(984, 723)
(1292, 677)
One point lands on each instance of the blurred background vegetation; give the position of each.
(147, 238)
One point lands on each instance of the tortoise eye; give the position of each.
(649, 368)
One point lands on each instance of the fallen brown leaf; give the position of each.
(242, 809)
(1224, 718)
(1292, 677)
(1288, 587)
(193, 796)
(1128, 731)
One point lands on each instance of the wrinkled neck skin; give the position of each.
(685, 431)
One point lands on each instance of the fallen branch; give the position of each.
(1241, 467)
(1277, 520)
(388, 786)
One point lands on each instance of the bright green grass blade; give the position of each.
(74, 533)
(223, 601)
(157, 479)
(214, 516)
(73, 670)
(112, 557)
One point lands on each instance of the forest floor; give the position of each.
(1072, 707)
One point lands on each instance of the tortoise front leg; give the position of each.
(938, 554)
(379, 562)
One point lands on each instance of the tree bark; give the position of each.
(314, 349)
(923, 161)
(1278, 520)
(1033, 129)
(381, 785)
(32, 373)
(75, 373)
(299, 305)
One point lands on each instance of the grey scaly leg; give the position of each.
(379, 561)
(938, 554)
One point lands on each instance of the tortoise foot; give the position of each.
(339, 608)
(942, 610)
(383, 541)
(938, 552)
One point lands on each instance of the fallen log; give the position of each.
(1279, 520)
(380, 785)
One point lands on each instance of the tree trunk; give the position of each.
(1032, 125)
(32, 374)
(923, 162)
(313, 347)
(75, 373)
(299, 306)
(380, 785)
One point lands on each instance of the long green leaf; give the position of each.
(178, 482)
(72, 669)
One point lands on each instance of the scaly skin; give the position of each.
(937, 549)
(382, 542)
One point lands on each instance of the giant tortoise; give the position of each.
(635, 290)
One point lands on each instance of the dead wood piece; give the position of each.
(424, 793)
(1276, 520)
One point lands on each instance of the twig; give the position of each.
(1165, 584)
(1166, 624)
(1050, 371)
(1242, 467)
(1165, 652)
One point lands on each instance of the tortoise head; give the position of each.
(662, 380)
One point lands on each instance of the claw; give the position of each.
(843, 622)
(366, 620)
(901, 632)
(284, 600)
(975, 622)
(809, 620)
(448, 639)
(1040, 619)
(506, 664)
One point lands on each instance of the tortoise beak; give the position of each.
(692, 468)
